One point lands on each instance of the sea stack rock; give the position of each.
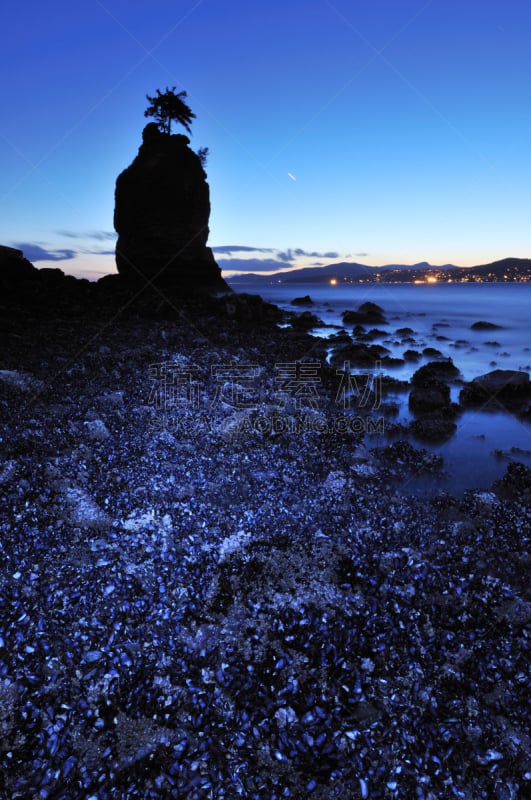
(162, 208)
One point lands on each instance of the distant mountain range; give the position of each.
(508, 269)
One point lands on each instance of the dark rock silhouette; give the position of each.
(162, 208)
(368, 336)
(302, 301)
(392, 362)
(411, 355)
(429, 398)
(367, 313)
(359, 355)
(505, 388)
(435, 371)
(15, 270)
(430, 401)
(432, 352)
(245, 308)
(46, 292)
(434, 427)
(404, 331)
(481, 325)
(24, 286)
(305, 321)
(515, 484)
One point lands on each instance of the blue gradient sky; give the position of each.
(370, 130)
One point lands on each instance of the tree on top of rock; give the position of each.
(167, 107)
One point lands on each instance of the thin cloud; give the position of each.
(98, 252)
(284, 259)
(241, 248)
(252, 264)
(34, 252)
(101, 236)
(298, 251)
(286, 255)
(104, 236)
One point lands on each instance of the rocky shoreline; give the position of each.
(213, 590)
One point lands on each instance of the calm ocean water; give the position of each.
(440, 316)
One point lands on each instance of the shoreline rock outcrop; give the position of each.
(501, 388)
(49, 293)
(367, 313)
(162, 209)
(430, 401)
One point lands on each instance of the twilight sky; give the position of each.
(367, 130)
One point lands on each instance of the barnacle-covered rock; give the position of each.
(257, 615)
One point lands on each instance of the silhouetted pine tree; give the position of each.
(167, 107)
(203, 155)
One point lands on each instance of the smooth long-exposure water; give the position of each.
(441, 316)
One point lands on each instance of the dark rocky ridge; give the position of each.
(49, 293)
(162, 209)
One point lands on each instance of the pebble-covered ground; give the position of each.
(214, 591)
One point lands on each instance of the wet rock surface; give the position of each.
(198, 604)
(358, 354)
(367, 312)
(305, 320)
(433, 426)
(434, 371)
(501, 388)
(483, 325)
(429, 400)
(306, 300)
